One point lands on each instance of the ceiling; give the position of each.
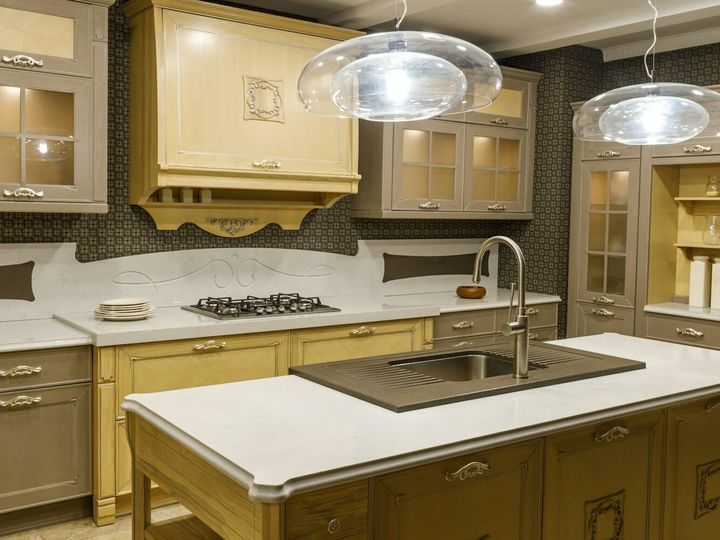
(510, 27)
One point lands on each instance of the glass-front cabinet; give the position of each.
(510, 108)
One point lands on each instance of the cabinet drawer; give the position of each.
(608, 150)
(45, 436)
(43, 367)
(702, 147)
(683, 330)
(466, 342)
(464, 323)
(538, 315)
(339, 512)
(592, 319)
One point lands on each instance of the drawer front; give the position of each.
(592, 319)
(466, 342)
(543, 334)
(683, 330)
(339, 512)
(538, 315)
(28, 369)
(464, 323)
(608, 150)
(46, 438)
(704, 147)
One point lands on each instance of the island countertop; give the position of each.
(283, 435)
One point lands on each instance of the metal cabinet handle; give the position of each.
(462, 344)
(23, 193)
(603, 300)
(20, 370)
(613, 434)
(607, 154)
(497, 207)
(461, 325)
(532, 311)
(266, 164)
(20, 401)
(23, 60)
(362, 331)
(710, 407)
(602, 312)
(333, 526)
(532, 336)
(471, 470)
(697, 149)
(690, 332)
(498, 122)
(210, 345)
(429, 205)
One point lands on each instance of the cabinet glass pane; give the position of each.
(509, 154)
(616, 275)
(10, 160)
(598, 190)
(416, 146)
(49, 113)
(484, 152)
(617, 233)
(508, 103)
(596, 232)
(414, 182)
(619, 186)
(9, 108)
(49, 162)
(443, 148)
(37, 33)
(596, 273)
(483, 185)
(507, 186)
(442, 183)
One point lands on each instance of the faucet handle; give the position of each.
(513, 286)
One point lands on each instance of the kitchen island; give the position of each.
(287, 458)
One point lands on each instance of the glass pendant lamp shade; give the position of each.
(399, 76)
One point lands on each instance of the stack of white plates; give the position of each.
(124, 309)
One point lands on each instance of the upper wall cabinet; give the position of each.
(218, 136)
(473, 166)
(53, 105)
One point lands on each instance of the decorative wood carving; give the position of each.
(595, 510)
(703, 504)
(232, 226)
(263, 100)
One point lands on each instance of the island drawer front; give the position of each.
(592, 319)
(335, 513)
(683, 330)
(45, 448)
(30, 369)
(465, 342)
(464, 323)
(538, 315)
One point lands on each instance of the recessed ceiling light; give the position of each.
(549, 2)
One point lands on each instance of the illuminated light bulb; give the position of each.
(42, 147)
(546, 3)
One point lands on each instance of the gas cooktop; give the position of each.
(253, 306)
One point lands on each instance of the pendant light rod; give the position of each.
(402, 17)
(651, 72)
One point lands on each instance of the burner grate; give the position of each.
(226, 307)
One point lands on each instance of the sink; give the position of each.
(460, 366)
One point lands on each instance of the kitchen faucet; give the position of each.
(519, 327)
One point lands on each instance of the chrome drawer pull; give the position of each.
(697, 149)
(710, 407)
(429, 205)
(531, 311)
(498, 121)
(333, 526)
(20, 401)
(532, 336)
(362, 331)
(461, 325)
(613, 434)
(23, 60)
(497, 208)
(462, 344)
(607, 154)
(690, 332)
(20, 370)
(210, 345)
(603, 300)
(471, 470)
(603, 313)
(23, 193)
(266, 164)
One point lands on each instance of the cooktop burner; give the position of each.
(253, 306)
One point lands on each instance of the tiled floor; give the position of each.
(85, 529)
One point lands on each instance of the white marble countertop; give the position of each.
(283, 435)
(39, 334)
(172, 323)
(683, 310)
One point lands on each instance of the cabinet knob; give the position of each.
(362, 331)
(333, 526)
(498, 122)
(23, 193)
(613, 434)
(710, 407)
(210, 345)
(531, 311)
(461, 325)
(429, 205)
(22, 60)
(603, 300)
(607, 154)
(20, 401)
(20, 370)
(471, 470)
(602, 312)
(690, 332)
(266, 164)
(497, 207)
(697, 149)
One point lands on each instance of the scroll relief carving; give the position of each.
(604, 518)
(232, 226)
(707, 497)
(263, 100)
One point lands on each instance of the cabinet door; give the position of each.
(510, 109)
(231, 103)
(356, 341)
(692, 502)
(427, 166)
(488, 495)
(591, 319)
(45, 145)
(495, 169)
(608, 232)
(605, 481)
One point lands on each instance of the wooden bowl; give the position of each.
(470, 291)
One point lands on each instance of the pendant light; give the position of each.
(399, 76)
(649, 113)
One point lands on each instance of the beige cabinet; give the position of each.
(698, 332)
(591, 319)
(53, 98)
(604, 150)
(514, 107)
(218, 136)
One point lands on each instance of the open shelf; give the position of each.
(694, 245)
(697, 199)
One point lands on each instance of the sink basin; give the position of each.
(460, 366)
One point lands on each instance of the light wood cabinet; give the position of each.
(217, 135)
(53, 98)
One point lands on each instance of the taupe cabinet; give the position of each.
(53, 105)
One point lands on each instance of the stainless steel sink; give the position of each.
(459, 366)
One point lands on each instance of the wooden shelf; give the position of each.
(183, 528)
(698, 245)
(697, 199)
